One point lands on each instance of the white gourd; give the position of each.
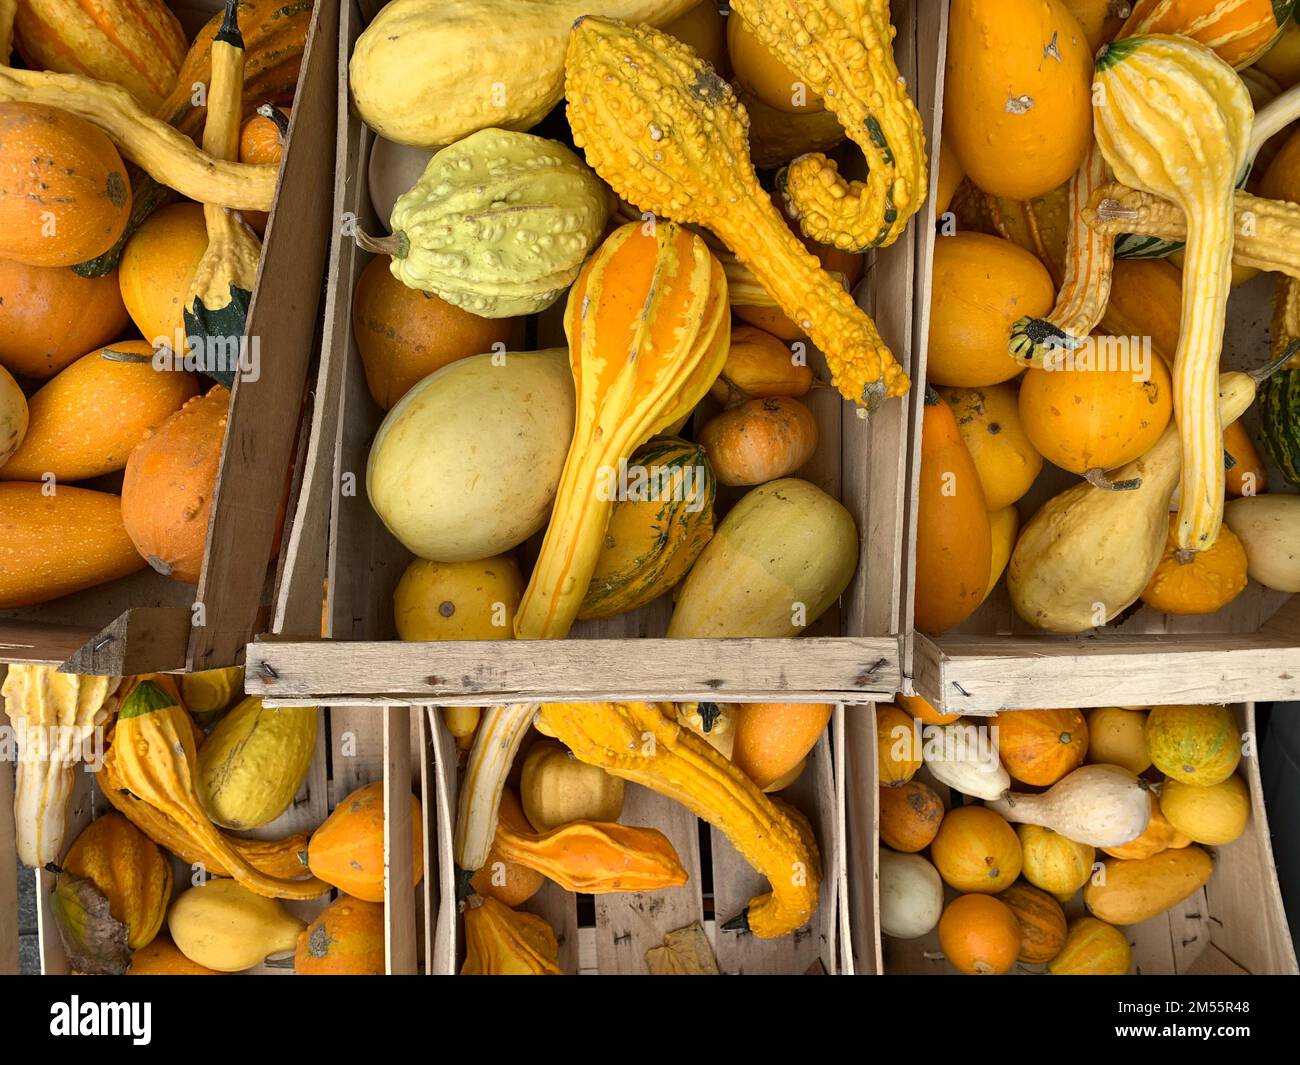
(911, 895)
(1096, 805)
(956, 757)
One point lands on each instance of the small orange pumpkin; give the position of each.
(975, 850)
(1247, 476)
(346, 939)
(64, 195)
(347, 851)
(980, 935)
(1042, 922)
(130, 872)
(506, 881)
(910, 816)
(161, 957)
(1041, 746)
(760, 440)
(1197, 582)
(898, 747)
(759, 365)
(157, 264)
(262, 141)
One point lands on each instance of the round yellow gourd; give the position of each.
(1052, 862)
(222, 925)
(458, 600)
(1214, 816)
(157, 265)
(989, 421)
(1116, 736)
(556, 788)
(466, 464)
(1194, 744)
(254, 762)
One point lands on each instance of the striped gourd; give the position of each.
(1239, 31)
(500, 733)
(1279, 417)
(1175, 120)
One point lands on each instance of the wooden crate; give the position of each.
(1236, 924)
(861, 649)
(626, 925)
(355, 746)
(1248, 650)
(147, 622)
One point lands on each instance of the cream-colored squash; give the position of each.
(1269, 529)
(222, 925)
(556, 789)
(465, 466)
(1097, 805)
(911, 895)
(959, 755)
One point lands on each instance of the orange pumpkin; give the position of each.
(157, 264)
(759, 365)
(760, 440)
(910, 816)
(761, 73)
(347, 851)
(975, 850)
(954, 540)
(771, 739)
(1159, 836)
(1197, 582)
(898, 747)
(60, 543)
(404, 334)
(161, 957)
(262, 141)
(1041, 746)
(1042, 922)
(1247, 476)
(86, 420)
(980, 935)
(64, 195)
(506, 881)
(346, 939)
(170, 480)
(918, 706)
(50, 316)
(704, 29)
(1146, 300)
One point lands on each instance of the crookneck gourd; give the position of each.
(648, 326)
(499, 224)
(500, 941)
(1176, 122)
(667, 133)
(1088, 553)
(844, 53)
(644, 743)
(156, 756)
(216, 308)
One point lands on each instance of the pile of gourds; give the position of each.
(115, 301)
(1013, 879)
(1092, 228)
(641, 217)
(720, 761)
(180, 795)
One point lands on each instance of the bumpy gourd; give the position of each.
(648, 326)
(500, 941)
(499, 224)
(650, 543)
(129, 870)
(667, 133)
(843, 51)
(1174, 119)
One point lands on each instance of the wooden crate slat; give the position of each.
(440, 894)
(142, 640)
(400, 947)
(8, 868)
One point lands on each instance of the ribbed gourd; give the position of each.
(651, 542)
(844, 54)
(1175, 120)
(661, 297)
(499, 224)
(668, 135)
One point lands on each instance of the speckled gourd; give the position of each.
(668, 135)
(499, 224)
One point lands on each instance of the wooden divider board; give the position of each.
(1236, 923)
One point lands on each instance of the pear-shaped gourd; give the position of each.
(1088, 553)
(1096, 805)
(959, 755)
(911, 895)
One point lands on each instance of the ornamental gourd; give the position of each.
(1215, 816)
(990, 425)
(50, 317)
(347, 850)
(844, 55)
(910, 816)
(1198, 745)
(1095, 806)
(1239, 33)
(685, 156)
(498, 225)
(1159, 836)
(1279, 415)
(500, 941)
(1187, 141)
(980, 935)
(898, 746)
(129, 870)
(222, 925)
(1042, 922)
(14, 417)
(1040, 746)
(347, 939)
(1197, 582)
(1268, 527)
(976, 850)
(1130, 892)
(1092, 948)
(663, 297)
(1053, 862)
(769, 740)
(911, 895)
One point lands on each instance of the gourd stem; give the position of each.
(1265, 372)
(1272, 118)
(277, 116)
(739, 923)
(1111, 210)
(1098, 478)
(395, 244)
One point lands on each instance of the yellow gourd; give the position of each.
(990, 425)
(685, 157)
(557, 789)
(1004, 524)
(1215, 816)
(1130, 892)
(222, 925)
(1052, 862)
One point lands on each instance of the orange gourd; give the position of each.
(86, 420)
(129, 870)
(509, 882)
(759, 365)
(910, 816)
(1096, 418)
(64, 195)
(170, 480)
(1098, 19)
(262, 141)
(500, 941)
(760, 440)
(1042, 922)
(161, 957)
(60, 543)
(1146, 300)
(1040, 746)
(1247, 476)
(704, 30)
(898, 746)
(50, 316)
(157, 264)
(404, 334)
(975, 850)
(1197, 582)
(346, 939)
(1159, 836)
(770, 739)
(919, 707)
(1092, 948)
(347, 851)
(980, 935)
(1239, 33)
(760, 72)
(954, 541)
